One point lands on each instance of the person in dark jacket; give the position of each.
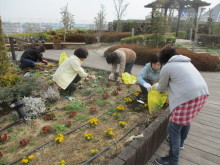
(32, 55)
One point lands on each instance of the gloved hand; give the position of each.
(111, 76)
(147, 86)
(44, 61)
(119, 80)
(155, 85)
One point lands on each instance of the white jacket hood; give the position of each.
(179, 58)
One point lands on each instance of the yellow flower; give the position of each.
(127, 100)
(24, 160)
(120, 107)
(93, 122)
(59, 138)
(122, 123)
(109, 133)
(136, 93)
(89, 136)
(31, 157)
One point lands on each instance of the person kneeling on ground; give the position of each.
(149, 75)
(70, 71)
(125, 58)
(32, 55)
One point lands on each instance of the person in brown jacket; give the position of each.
(124, 57)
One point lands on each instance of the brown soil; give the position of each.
(75, 149)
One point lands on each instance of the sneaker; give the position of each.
(164, 161)
(181, 146)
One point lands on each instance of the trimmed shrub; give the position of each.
(209, 40)
(148, 39)
(202, 61)
(181, 34)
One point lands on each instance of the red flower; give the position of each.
(108, 84)
(118, 88)
(105, 95)
(68, 124)
(72, 114)
(24, 142)
(115, 93)
(91, 100)
(4, 137)
(47, 129)
(93, 110)
(49, 116)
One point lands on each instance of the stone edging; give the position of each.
(141, 150)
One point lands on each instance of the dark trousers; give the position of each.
(143, 89)
(25, 63)
(177, 135)
(72, 87)
(129, 66)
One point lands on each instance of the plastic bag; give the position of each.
(63, 57)
(128, 78)
(156, 100)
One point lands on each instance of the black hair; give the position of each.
(81, 53)
(111, 58)
(166, 53)
(155, 58)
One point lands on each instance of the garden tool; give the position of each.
(134, 137)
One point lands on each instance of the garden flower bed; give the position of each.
(77, 126)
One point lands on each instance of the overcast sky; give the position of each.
(84, 11)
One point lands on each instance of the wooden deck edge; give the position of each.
(141, 150)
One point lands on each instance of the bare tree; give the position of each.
(210, 20)
(66, 19)
(100, 22)
(196, 29)
(120, 8)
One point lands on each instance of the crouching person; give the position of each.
(70, 71)
(125, 58)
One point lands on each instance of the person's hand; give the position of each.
(86, 79)
(147, 86)
(111, 76)
(45, 61)
(155, 85)
(119, 80)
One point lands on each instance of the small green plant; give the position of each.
(12, 149)
(88, 92)
(77, 106)
(81, 118)
(32, 143)
(14, 137)
(10, 130)
(3, 161)
(59, 127)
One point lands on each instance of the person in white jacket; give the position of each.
(70, 71)
(187, 93)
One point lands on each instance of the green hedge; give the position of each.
(202, 61)
(181, 34)
(210, 40)
(148, 39)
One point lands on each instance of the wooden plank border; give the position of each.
(141, 150)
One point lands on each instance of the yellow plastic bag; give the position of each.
(63, 57)
(156, 100)
(128, 78)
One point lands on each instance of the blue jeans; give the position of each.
(25, 63)
(177, 135)
(129, 66)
